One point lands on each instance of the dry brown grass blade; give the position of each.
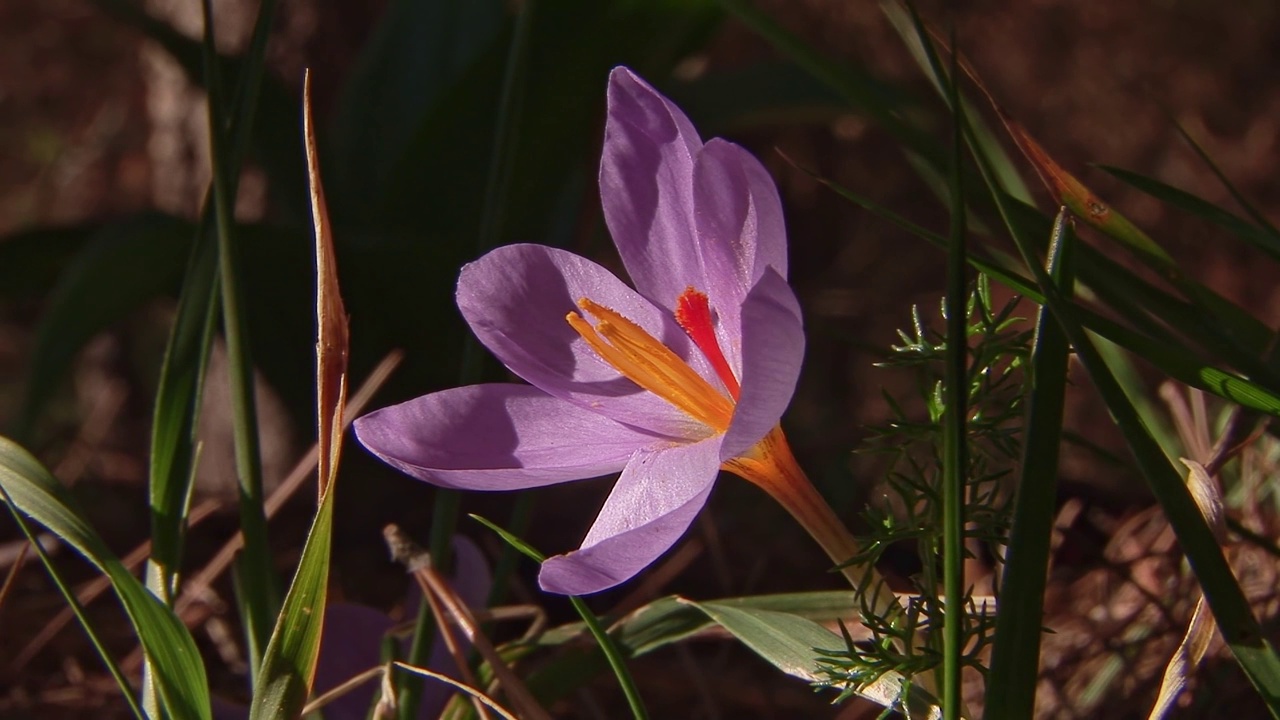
(1202, 627)
(331, 315)
(418, 561)
(473, 692)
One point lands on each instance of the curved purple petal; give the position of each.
(741, 233)
(516, 299)
(646, 188)
(497, 437)
(772, 351)
(659, 494)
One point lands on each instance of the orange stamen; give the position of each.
(648, 363)
(693, 312)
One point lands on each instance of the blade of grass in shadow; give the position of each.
(913, 33)
(1178, 362)
(1240, 628)
(122, 266)
(607, 646)
(1230, 187)
(858, 90)
(178, 670)
(1016, 648)
(414, 54)
(258, 599)
(289, 663)
(1241, 228)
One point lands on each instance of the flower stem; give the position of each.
(771, 466)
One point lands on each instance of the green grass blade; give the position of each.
(1241, 228)
(255, 561)
(171, 652)
(602, 638)
(1240, 628)
(916, 39)
(174, 420)
(857, 89)
(1016, 648)
(1236, 195)
(955, 457)
(1177, 361)
(179, 392)
(122, 266)
(288, 665)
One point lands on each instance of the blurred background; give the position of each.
(104, 161)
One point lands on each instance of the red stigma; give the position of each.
(693, 313)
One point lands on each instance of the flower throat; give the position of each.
(647, 362)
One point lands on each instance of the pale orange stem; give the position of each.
(771, 466)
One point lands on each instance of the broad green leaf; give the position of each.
(123, 265)
(179, 674)
(793, 645)
(419, 50)
(31, 260)
(789, 642)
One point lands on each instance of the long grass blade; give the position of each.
(1255, 654)
(178, 671)
(1178, 362)
(1016, 652)
(955, 462)
(289, 664)
(1227, 220)
(258, 599)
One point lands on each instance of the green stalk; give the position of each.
(258, 601)
(955, 461)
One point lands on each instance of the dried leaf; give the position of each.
(331, 315)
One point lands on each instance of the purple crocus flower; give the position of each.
(670, 382)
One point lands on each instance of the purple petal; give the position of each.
(646, 188)
(741, 233)
(660, 492)
(772, 351)
(497, 437)
(516, 299)
(350, 643)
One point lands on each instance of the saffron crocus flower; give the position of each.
(670, 382)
